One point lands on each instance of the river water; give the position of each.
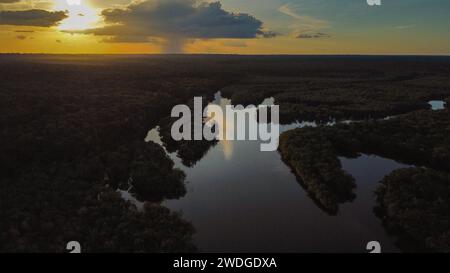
(437, 105)
(240, 199)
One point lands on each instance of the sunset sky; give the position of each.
(228, 26)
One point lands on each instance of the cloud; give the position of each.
(315, 35)
(21, 5)
(110, 3)
(177, 21)
(405, 27)
(302, 22)
(34, 17)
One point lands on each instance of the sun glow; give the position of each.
(81, 14)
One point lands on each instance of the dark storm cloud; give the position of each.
(34, 17)
(313, 35)
(180, 19)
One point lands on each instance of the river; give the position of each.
(240, 199)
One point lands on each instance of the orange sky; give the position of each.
(301, 27)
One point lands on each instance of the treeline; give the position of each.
(351, 97)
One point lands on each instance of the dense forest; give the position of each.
(414, 203)
(72, 133)
(73, 129)
(344, 94)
